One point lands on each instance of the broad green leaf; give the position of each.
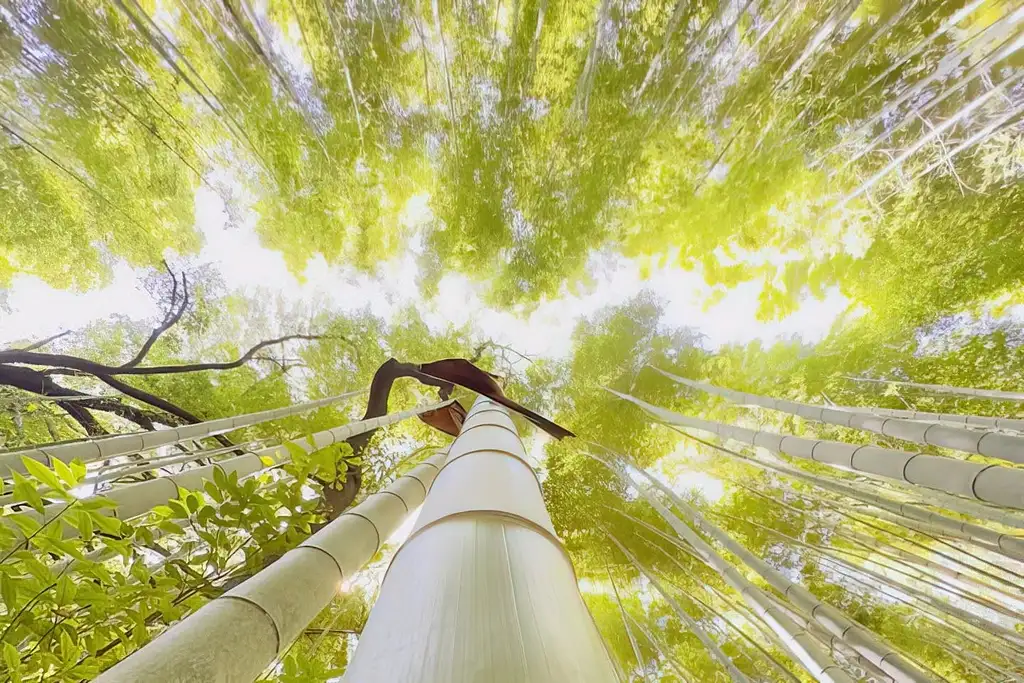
(66, 474)
(25, 492)
(9, 592)
(44, 474)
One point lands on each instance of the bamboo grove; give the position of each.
(848, 509)
(694, 131)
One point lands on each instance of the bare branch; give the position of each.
(171, 318)
(93, 368)
(77, 404)
(43, 342)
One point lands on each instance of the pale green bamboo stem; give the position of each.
(834, 644)
(684, 674)
(992, 444)
(910, 572)
(857, 494)
(234, 637)
(728, 622)
(101, 448)
(690, 622)
(861, 639)
(959, 419)
(625, 624)
(989, 640)
(139, 498)
(935, 570)
(946, 389)
(796, 641)
(482, 589)
(991, 483)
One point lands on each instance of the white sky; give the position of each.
(36, 310)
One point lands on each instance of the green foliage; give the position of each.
(751, 143)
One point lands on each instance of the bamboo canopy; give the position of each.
(483, 589)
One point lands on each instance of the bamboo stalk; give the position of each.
(981, 442)
(234, 637)
(989, 483)
(625, 624)
(849, 491)
(946, 389)
(988, 422)
(712, 647)
(137, 499)
(797, 642)
(775, 663)
(684, 674)
(122, 444)
(913, 573)
(483, 589)
(861, 639)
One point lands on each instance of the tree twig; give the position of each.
(43, 342)
(172, 316)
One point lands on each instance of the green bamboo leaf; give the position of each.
(9, 592)
(162, 511)
(66, 590)
(12, 659)
(69, 650)
(25, 492)
(65, 473)
(26, 525)
(83, 522)
(178, 511)
(213, 490)
(111, 526)
(78, 469)
(43, 474)
(206, 513)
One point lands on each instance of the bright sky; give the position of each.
(249, 268)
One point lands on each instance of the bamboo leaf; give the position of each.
(66, 474)
(9, 592)
(43, 474)
(25, 492)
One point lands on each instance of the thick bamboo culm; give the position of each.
(985, 442)
(866, 643)
(139, 498)
(483, 589)
(236, 636)
(106, 447)
(989, 483)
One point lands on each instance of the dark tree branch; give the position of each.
(43, 342)
(57, 360)
(337, 500)
(478, 352)
(79, 409)
(173, 315)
